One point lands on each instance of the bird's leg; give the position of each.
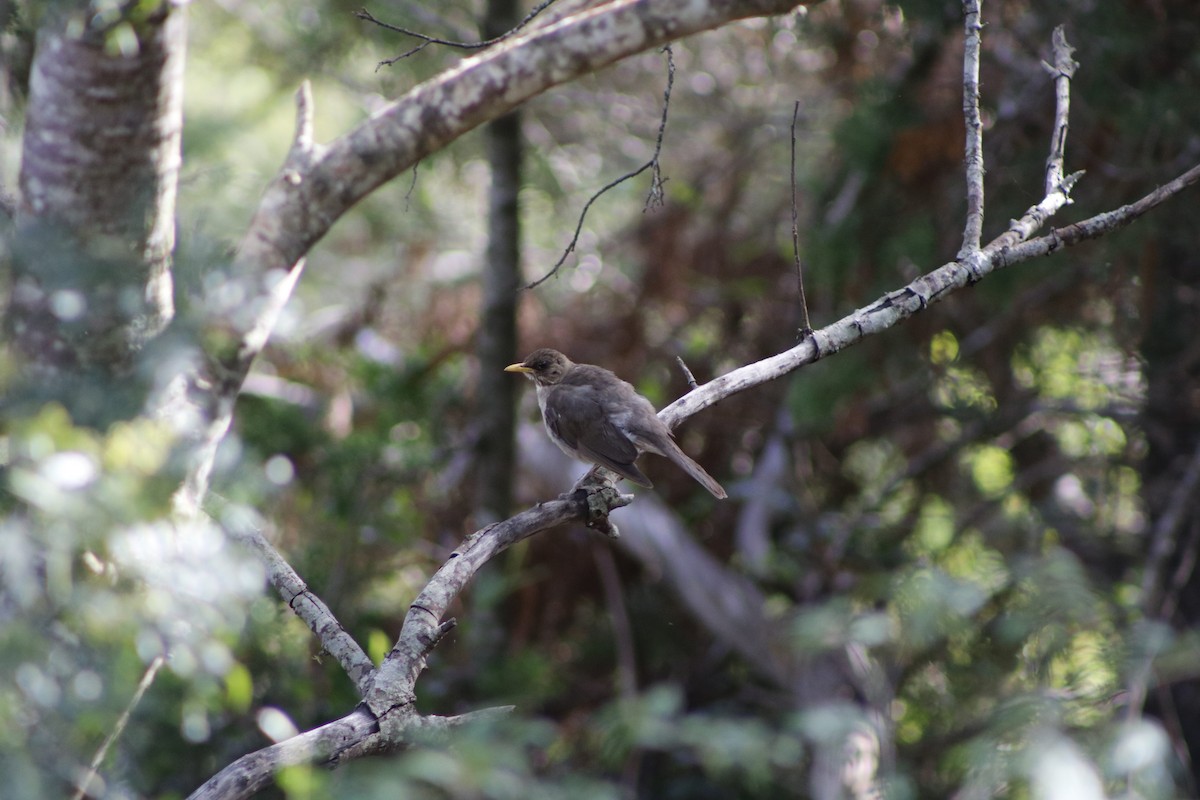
(594, 477)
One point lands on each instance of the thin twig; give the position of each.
(807, 328)
(1057, 187)
(687, 373)
(427, 40)
(973, 232)
(656, 197)
(1163, 539)
(579, 225)
(1063, 70)
(119, 728)
(932, 287)
(411, 185)
(656, 182)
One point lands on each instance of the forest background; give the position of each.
(957, 559)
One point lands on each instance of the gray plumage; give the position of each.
(594, 416)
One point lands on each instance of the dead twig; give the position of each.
(655, 197)
(427, 40)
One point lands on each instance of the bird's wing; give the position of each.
(574, 414)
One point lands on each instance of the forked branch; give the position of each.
(387, 721)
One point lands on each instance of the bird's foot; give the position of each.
(594, 478)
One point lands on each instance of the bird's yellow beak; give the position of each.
(517, 368)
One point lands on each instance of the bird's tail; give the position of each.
(695, 470)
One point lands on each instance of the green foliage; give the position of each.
(959, 512)
(99, 582)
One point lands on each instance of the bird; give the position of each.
(595, 417)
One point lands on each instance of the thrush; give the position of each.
(595, 417)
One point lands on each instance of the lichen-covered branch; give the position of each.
(902, 303)
(387, 721)
(973, 232)
(318, 184)
(243, 527)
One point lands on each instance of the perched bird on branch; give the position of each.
(594, 416)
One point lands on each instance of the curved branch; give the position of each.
(254, 771)
(387, 721)
(317, 185)
(653, 198)
(930, 288)
(396, 677)
(294, 214)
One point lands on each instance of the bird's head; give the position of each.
(544, 367)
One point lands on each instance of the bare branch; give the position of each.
(148, 676)
(303, 202)
(807, 324)
(387, 721)
(398, 674)
(353, 736)
(1007, 249)
(1097, 226)
(1063, 71)
(687, 373)
(243, 526)
(1057, 185)
(366, 16)
(255, 771)
(655, 197)
(918, 295)
(973, 233)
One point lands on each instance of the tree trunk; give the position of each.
(96, 214)
(497, 339)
